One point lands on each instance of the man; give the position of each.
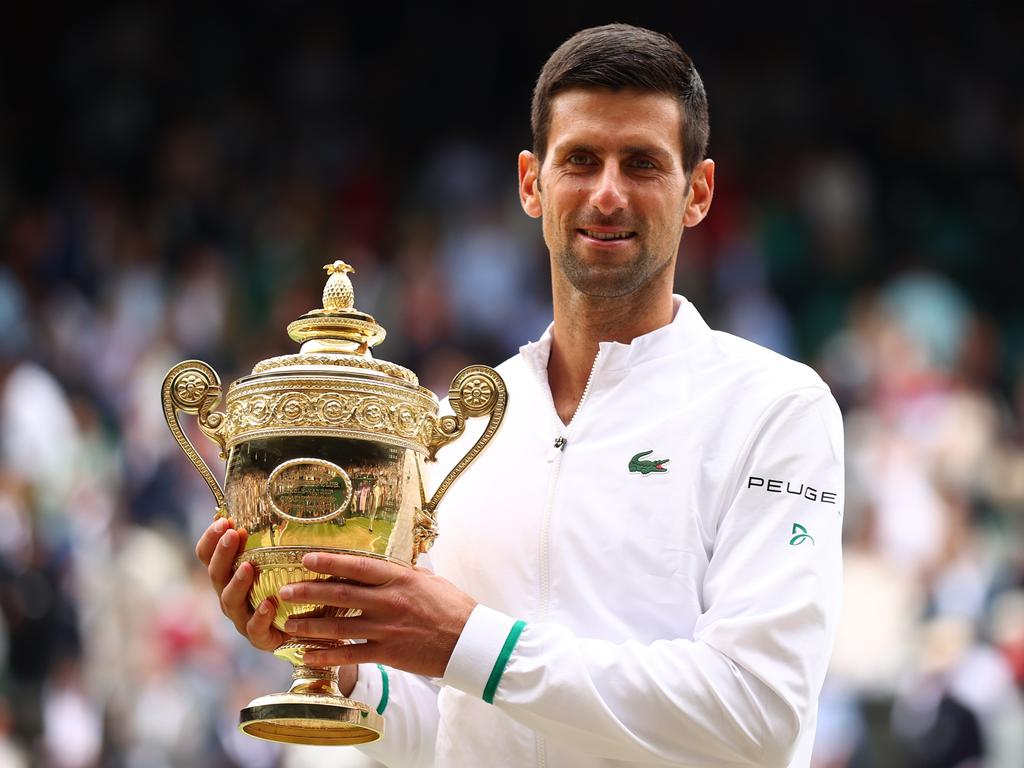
(363, 497)
(643, 568)
(375, 499)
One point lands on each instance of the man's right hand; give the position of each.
(217, 549)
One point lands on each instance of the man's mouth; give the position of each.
(623, 235)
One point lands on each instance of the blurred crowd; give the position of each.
(179, 212)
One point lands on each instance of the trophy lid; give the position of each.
(337, 335)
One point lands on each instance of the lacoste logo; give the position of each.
(800, 535)
(646, 466)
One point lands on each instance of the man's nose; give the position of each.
(609, 195)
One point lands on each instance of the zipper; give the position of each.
(562, 440)
(555, 457)
(586, 389)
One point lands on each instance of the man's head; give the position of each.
(618, 168)
(618, 56)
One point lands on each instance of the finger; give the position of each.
(353, 653)
(223, 560)
(333, 593)
(334, 628)
(234, 598)
(208, 541)
(365, 570)
(260, 628)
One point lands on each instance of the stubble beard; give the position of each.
(609, 281)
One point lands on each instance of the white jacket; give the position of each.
(679, 617)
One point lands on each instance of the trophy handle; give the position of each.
(477, 390)
(194, 387)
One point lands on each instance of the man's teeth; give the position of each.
(608, 235)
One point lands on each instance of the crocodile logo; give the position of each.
(647, 466)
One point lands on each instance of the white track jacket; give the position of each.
(661, 588)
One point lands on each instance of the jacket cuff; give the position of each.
(483, 652)
(372, 688)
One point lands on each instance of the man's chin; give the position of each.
(601, 279)
(605, 282)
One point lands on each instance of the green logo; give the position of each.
(799, 535)
(646, 466)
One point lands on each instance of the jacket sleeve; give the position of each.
(741, 688)
(408, 703)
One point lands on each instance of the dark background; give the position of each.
(172, 177)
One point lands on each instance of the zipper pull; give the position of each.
(559, 445)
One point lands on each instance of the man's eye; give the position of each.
(579, 159)
(645, 165)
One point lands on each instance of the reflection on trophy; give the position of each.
(325, 452)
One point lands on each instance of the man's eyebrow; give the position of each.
(655, 152)
(632, 149)
(570, 147)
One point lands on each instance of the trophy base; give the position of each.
(313, 711)
(304, 718)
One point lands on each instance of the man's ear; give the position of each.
(529, 184)
(702, 189)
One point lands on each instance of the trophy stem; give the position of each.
(313, 711)
(318, 680)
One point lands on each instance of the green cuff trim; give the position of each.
(385, 690)
(502, 661)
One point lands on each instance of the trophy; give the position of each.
(324, 453)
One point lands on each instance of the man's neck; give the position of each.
(582, 322)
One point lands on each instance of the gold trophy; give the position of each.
(325, 453)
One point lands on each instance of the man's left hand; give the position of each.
(411, 619)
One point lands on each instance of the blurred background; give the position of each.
(172, 178)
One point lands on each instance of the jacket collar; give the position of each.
(687, 327)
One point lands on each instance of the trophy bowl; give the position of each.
(325, 452)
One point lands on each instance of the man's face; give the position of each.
(612, 191)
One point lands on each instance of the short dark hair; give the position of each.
(617, 56)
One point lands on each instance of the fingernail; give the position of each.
(291, 625)
(286, 592)
(265, 607)
(220, 525)
(311, 561)
(227, 539)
